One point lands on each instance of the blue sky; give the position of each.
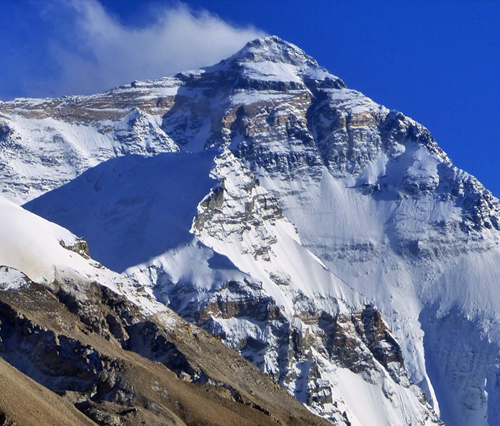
(436, 61)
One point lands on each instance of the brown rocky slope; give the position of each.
(100, 355)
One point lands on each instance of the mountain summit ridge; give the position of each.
(273, 49)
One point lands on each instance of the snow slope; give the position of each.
(132, 208)
(45, 252)
(240, 250)
(25, 236)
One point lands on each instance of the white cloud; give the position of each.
(106, 54)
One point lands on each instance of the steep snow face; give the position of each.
(274, 60)
(426, 234)
(389, 250)
(46, 253)
(46, 144)
(133, 208)
(25, 236)
(243, 275)
(242, 221)
(267, 247)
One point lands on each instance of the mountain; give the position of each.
(328, 240)
(98, 345)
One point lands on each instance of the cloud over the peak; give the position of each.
(92, 51)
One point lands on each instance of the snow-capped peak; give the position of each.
(373, 199)
(273, 49)
(273, 59)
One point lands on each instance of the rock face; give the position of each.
(327, 239)
(100, 354)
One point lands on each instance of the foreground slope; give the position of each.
(28, 403)
(318, 201)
